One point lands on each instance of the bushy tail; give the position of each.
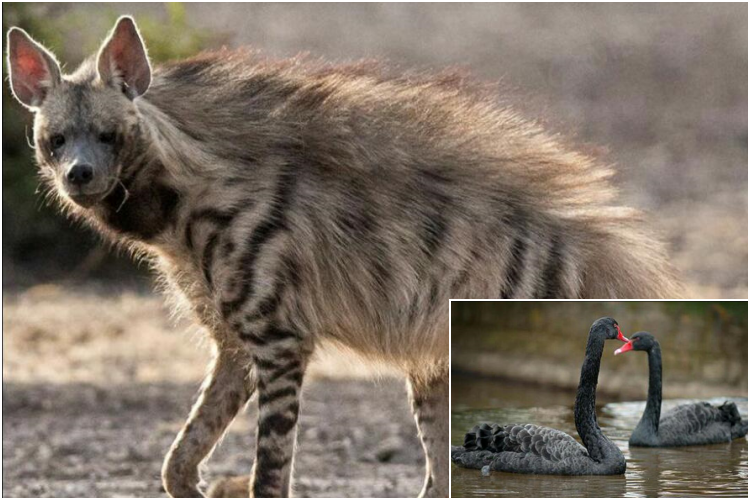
(732, 414)
(627, 262)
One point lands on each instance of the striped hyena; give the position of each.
(291, 203)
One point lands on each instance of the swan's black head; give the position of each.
(641, 341)
(609, 329)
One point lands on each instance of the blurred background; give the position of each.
(97, 378)
(520, 362)
(658, 90)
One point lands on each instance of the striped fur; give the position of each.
(289, 203)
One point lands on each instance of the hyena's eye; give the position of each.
(107, 137)
(57, 141)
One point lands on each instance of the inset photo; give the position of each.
(598, 399)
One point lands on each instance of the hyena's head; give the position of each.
(86, 126)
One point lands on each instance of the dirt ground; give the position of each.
(97, 384)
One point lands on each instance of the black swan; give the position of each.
(688, 424)
(532, 449)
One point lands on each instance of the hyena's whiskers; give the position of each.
(125, 197)
(29, 142)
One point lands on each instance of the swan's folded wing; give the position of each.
(549, 444)
(687, 419)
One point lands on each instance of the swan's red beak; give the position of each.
(627, 347)
(620, 336)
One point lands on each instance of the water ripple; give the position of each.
(717, 470)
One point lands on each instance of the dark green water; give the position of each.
(715, 470)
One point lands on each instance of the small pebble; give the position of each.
(486, 470)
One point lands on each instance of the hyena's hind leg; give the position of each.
(429, 400)
(226, 390)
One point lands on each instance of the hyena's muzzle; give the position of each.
(86, 168)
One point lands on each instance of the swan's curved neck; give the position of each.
(651, 415)
(597, 444)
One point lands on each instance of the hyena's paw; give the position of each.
(183, 491)
(180, 482)
(230, 487)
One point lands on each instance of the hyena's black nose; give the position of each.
(80, 175)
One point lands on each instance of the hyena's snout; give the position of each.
(80, 174)
(87, 177)
(86, 185)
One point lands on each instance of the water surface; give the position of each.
(714, 470)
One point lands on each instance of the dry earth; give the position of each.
(96, 385)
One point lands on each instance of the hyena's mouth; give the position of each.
(87, 200)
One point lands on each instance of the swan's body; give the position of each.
(693, 424)
(685, 425)
(533, 449)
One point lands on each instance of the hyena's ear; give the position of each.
(122, 60)
(33, 69)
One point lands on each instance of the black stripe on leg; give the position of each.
(277, 423)
(271, 396)
(253, 337)
(276, 334)
(265, 364)
(268, 459)
(295, 375)
(266, 481)
(285, 364)
(291, 372)
(271, 334)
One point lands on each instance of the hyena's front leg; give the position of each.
(429, 398)
(225, 391)
(280, 366)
